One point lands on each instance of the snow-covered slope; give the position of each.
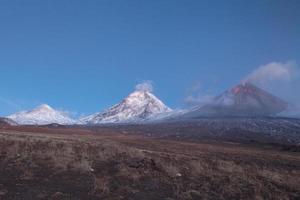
(41, 115)
(138, 106)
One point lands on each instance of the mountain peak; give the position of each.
(244, 87)
(138, 106)
(44, 107)
(141, 95)
(250, 100)
(43, 114)
(244, 99)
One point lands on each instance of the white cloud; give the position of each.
(199, 99)
(145, 86)
(197, 96)
(274, 71)
(279, 78)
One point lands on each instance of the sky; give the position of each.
(84, 56)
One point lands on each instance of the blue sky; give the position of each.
(84, 56)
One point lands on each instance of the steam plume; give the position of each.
(145, 86)
(274, 71)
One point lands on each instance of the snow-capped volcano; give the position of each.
(244, 99)
(41, 115)
(138, 106)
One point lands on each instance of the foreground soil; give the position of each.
(52, 163)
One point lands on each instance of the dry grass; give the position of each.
(87, 166)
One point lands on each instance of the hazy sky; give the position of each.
(84, 56)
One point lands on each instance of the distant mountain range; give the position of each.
(243, 100)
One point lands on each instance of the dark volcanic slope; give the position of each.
(239, 129)
(242, 100)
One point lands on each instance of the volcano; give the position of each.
(138, 106)
(41, 115)
(245, 100)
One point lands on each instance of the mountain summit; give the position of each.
(41, 115)
(138, 106)
(244, 99)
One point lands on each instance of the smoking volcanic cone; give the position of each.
(244, 99)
